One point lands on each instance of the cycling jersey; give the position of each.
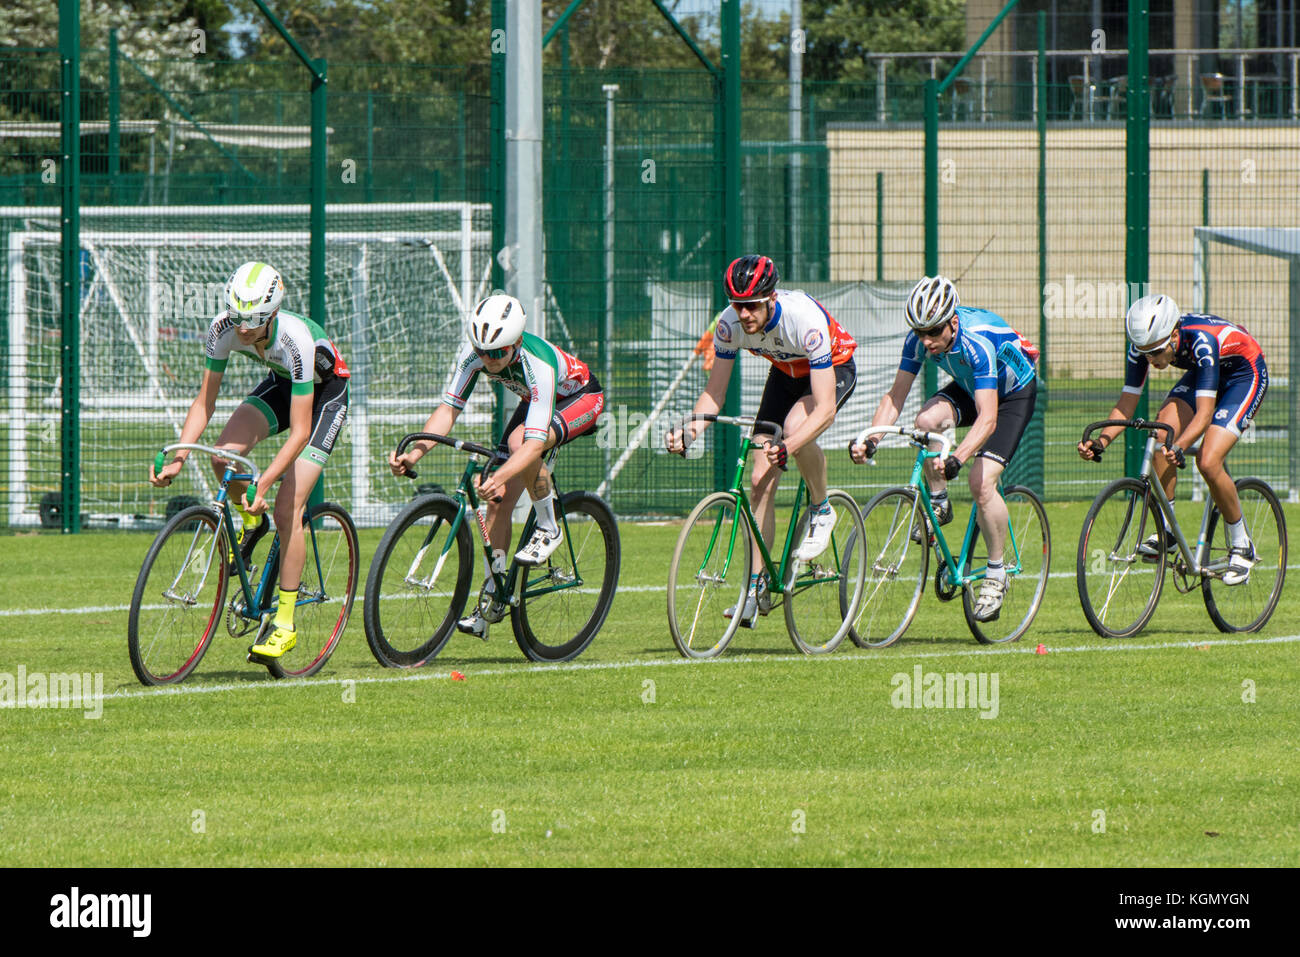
(538, 374)
(1211, 347)
(297, 350)
(986, 353)
(800, 335)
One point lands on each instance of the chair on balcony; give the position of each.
(1214, 90)
(1115, 98)
(1080, 98)
(963, 98)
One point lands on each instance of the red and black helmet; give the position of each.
(750, 279)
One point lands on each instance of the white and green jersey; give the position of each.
(297, 350)
(539, 373)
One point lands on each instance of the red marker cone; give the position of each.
(1040, 650)
(457, 676)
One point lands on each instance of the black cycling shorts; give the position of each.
(782, 391)
(1014, 413)
(329, 410)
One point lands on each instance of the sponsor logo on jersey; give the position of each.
(724, 331)
(1203, 351)
(812, 341)
(1221, 414)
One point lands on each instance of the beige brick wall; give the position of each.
(988, 193)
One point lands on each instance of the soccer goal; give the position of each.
(399, 279)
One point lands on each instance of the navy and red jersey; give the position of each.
(1214, 349)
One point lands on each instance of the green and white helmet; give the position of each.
(254, 294)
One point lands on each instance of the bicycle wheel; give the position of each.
(822, 596)
(1249, 605)
(895, 568)
(329, 584)
(179, 597)
(419, 581)
(1118, 589)
(563, 603)
(708, 574)
(1027, 555)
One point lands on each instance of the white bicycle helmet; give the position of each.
(496, 323)
(254, 294)
(932, 302)
(1151, 320)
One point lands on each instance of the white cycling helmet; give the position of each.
(254, 294)
(496, 323)
(932, 302)
(1151, 320)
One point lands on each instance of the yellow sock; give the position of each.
(284, 611)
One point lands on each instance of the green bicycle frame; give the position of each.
(775, 573)
(954, 568)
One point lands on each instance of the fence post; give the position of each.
(318, 150)
(728, 444)
(1137, 196)
(70, 261)
(931, 204)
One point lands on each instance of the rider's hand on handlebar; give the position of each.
(400, 463)
(169, 471)
(1091, 450)
(859, 453)
(677, 440)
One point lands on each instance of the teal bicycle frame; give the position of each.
(954, 572)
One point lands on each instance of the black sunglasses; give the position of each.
(493, 353)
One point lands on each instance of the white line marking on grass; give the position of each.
(674, 662)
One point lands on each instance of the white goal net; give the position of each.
(399, 278)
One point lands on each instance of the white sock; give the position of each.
(1237, 536)
(997, 570)
(545, 509)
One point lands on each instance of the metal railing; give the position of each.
(974, 95)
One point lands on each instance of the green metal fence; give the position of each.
(190, 167)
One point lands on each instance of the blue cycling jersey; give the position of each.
(986, 353)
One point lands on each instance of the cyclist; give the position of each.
(559, 400)
(812, 375)
(993, 390)
(1216, 398)
(306, 392)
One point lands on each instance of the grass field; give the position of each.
(1133, 753)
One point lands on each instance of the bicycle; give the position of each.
(413, 597)
(1119, 588)
(897, 519)
(180, 594)
(712, 563)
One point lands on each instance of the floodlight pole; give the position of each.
(524, 267)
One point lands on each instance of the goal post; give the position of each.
(399, 278)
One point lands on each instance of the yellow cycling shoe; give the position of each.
(280, 643)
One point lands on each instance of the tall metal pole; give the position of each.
(1041, 94)
(70, 260)
(608, 345)
(497, 181)
(524, 241)
(1138, 194)
(728, 445)
(796, 138)
(318, 150)
(114, 113)
(931, 375)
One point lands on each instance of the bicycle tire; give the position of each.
(1247, 607)
(822, 596)
(549, 606)
(166, 642)
(1118, 590)
(331, 540)
(896, 568)
(1032, 543)
(407, 619)
(720, 544)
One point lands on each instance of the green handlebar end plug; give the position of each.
(250, 494)
(158, 462)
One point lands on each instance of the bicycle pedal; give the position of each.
(256, 659)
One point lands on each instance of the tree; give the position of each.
(842, 32)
